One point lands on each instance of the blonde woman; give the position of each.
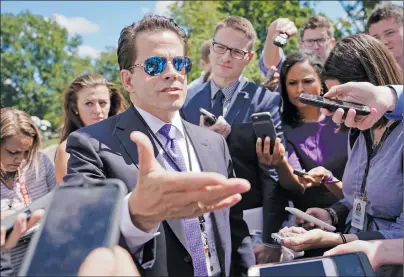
(89, 99)
(25, 173)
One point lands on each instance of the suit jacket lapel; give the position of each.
(242, 102)
(207, 164)
(128, 122)
(201, 147)
(235, 109)
(202, 99)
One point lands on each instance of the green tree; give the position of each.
(262, 13)
(107, 65)
(38, 60)
(199, 18)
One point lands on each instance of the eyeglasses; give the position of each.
(155, 65)
(310, 42)
(237, 54)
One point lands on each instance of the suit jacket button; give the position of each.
(187, 258)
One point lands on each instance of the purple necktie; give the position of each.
(191, 225)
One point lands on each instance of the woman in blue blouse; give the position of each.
(376, 184)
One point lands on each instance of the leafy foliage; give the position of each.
(199, 18)
(38, 60)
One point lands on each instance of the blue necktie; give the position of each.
(217, 108)
(191, 225)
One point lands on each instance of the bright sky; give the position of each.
(100, 22)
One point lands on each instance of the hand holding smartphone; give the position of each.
(300, 173)
(333, 104)
(311, 219)
(79, 219)
(264, 127)
(210, 118)
(352, 264)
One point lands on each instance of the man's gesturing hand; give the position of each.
(161, 194)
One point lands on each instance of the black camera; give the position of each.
(281, 40)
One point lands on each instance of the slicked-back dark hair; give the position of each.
(150, 23)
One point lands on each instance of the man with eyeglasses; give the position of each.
(176, 219)
(233, 99)
(316, 34)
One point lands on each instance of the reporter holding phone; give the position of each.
(26, 173)
(8, 243)
(233, 99)
(308, 135)
(372, 207)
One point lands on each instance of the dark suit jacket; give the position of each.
(6, 267)
(104, 150)
(250, 98)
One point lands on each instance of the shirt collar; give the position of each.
(227, 91)
(156, 123)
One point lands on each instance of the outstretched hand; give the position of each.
(175, 195)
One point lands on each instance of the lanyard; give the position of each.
(373, 151)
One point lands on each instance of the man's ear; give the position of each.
(333, 41)
(126, 79)
(250, 56)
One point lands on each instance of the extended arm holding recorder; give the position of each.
(272, 53)
(381, 100)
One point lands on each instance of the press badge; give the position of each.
(359, 211)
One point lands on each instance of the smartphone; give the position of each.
(79, 219)
(351, 264)
(278, 236)
(40, 203)
(264, 127)
(300, 173)
(333, 104)
(310, 219)
(210, 118)
(281, 40)
(323, 267)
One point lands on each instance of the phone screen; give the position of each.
(349, 265)
(78, 222)
(311, 269)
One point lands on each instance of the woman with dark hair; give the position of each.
(373, 176)
(89, 99)
(312, 144)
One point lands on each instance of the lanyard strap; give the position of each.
(23, 189)
(373, 151)
(200, 218)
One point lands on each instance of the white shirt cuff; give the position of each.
(134, 237)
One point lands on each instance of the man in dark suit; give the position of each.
(170, 221)
(233, 99)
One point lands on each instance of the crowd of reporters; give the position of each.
(349, 159)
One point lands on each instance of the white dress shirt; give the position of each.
(134, 237)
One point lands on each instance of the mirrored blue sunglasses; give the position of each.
(155, 65)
